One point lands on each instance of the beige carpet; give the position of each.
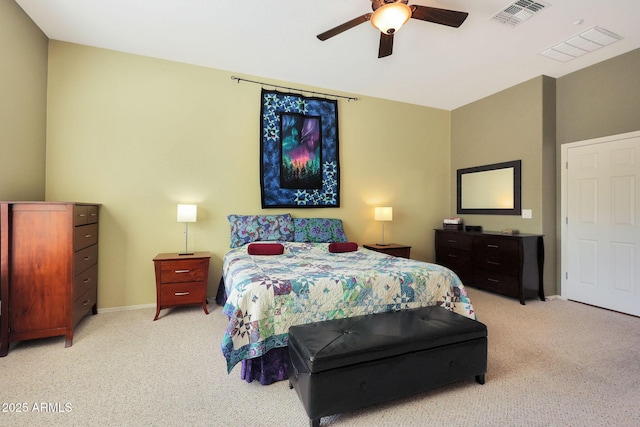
(554, 363)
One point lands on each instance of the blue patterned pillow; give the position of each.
(318, 230)
(251, 228)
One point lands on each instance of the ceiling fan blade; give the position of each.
(386, 45)
(452, 18)
(344, 27)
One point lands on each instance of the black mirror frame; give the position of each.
(517, 188)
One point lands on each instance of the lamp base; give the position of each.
(185, 253)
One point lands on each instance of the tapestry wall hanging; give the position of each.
(299, 165)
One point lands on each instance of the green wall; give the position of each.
(600, 100)
(23, 89)
(515, 124)
(141, 135)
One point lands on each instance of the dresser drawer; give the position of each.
(80, 215)
(84, 259)
(458, 240)
(496, 255)
(181, 293)
(181, 271)
(87, 279)
(496, 245)
(84, 303)
(85, 235)
(85, 214)
(495, 281)
(507, 264)
(457, 260)
(92, 214)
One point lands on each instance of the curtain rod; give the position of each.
(240, 79)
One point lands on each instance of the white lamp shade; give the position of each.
(383, 214)
(187, 213)
(390, 17)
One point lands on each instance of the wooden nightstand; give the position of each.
(394, 249)
(181, 280)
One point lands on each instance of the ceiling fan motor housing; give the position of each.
(375, 4)
(389, 16)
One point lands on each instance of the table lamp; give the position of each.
(383, 214)
(187, 214)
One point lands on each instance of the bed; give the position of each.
(313, 274)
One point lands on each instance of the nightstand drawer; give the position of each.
(181, 271)
(398, 252)
(181, 293)
(393, 249)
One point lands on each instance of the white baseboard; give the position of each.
(137, 307)
(126, 307)
(552, 297)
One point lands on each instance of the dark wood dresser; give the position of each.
(48, 269)
(511, 265)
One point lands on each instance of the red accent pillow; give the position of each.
(265, 249)
(337, 247)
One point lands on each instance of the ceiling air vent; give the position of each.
(592, 39)
(519, 11)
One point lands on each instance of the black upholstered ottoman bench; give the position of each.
(341, 365)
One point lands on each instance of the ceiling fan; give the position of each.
(389, 15)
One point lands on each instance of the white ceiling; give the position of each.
(432, 65)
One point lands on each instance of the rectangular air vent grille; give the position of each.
(592, 39)
(519, 11)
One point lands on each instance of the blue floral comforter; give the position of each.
(267, 294)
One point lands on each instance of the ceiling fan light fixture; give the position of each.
(390, 17)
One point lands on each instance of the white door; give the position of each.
(602, 232)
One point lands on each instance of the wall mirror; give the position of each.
(490, 189)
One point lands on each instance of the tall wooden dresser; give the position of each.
(48, 269)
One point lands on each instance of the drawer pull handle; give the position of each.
(493, 263)
(82, 215)
(87, 258)
(86, 236)
(452, 256)
(87, 280)
(493, 280)
(181, 271)
(84, 304)
(181, 294)
(493, 246)
(452, 241)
